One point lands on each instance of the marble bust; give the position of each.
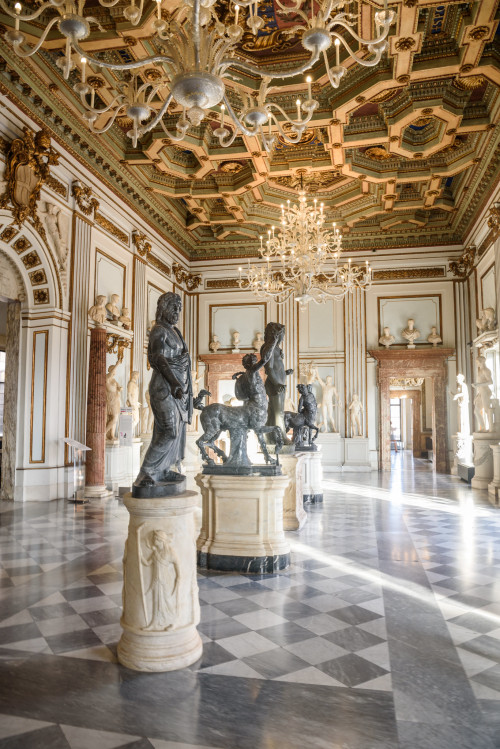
(434, 336)
(257, 342)
(124, 319)
(411, 333)
(113, 308)
(486, 321)
(387, 339)
(214, 345)
(236, 342)
(97, 313)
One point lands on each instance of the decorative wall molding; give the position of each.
(191, 280)
(222, 283)
(110, 227)
(84, 197)
(141, 244)
(402, 273)
(159, 265)
(464, 266)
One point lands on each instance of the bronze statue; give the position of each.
(238, 420)
(171, 398)
(276, 378)
(303, 422)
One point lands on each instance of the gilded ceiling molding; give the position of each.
(465, 264)
(57, 186)
(84, 197)
(190, 280)
(223, 283)
(28, 167)
(109, 226)
(141, 244)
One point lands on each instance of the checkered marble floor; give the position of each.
(384, 632)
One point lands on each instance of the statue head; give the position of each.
(302, 389)
(124, 311)
(169, 308)
(460, 379)
(329, 379)
(215, 337)
(433, 329)
(387, 331)
(274, 333)
(249, 360)
(42, 140)
(135, 375)
(411, 323)
(100, 301)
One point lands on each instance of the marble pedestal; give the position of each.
(160, 591)
(122, 465)
(356, 455)
(332, 451)
(483, 458)
(312, 487)
(242, 526)
(494, 485)
(294, 515)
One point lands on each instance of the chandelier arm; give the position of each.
(159, 116)
(31, 16)
(359, 39)
(176, 138)
(33, 50)
(119, 66)
(290, 8)
(196, 33)
(108, 124)
(297, 123)
(99, 112)
(275, 73)
(244, 129)
(110, 3)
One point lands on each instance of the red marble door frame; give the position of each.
(416, 397)
(419, 362)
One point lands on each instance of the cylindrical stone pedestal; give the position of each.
(294, 515)
(242, 526)
(96, 416)
(160, 591)
(312, 489)
(494, 486)
(483, 458)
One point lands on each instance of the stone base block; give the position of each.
(357, 455)
(160, 590)
(494, 486)
(122, 464)
(332, 451)
(312, 487)
(465, 472)
(483, 458)
(242, 526)
(97, 492)
(294, 515)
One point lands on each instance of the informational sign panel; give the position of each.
(125, 427)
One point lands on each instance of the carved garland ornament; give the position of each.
(84, 198)
(494, 220)
(182, 276)
(142, 246)
(465, 264)
(28, 167)
(116, 345)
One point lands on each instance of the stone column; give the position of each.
(160, 590)
(355, 354)
(287, 315)
(441, 460)
(79, 328)
(10, 401)
(96, 416)
(385, 419)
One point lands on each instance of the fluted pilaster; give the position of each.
(355, 353)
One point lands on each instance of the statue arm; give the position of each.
(161, 363)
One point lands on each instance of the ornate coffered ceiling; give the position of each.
(403, 154)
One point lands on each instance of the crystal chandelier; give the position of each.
(197, 54)
(303, 260)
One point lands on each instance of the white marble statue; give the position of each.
(309, 373)
(133, 397)
(164, 581)
(113, 307)
(462, 399)
(434, 336)
(97, 313)
(486, 321)
(198, 379)
(410, 333)
(483, 407)
(236, 342)
(329, 399)
(147, 415)
(124, 319)
(387, 339)
(113, 403)
(356, 409)
(214, 344)
(257, 342)
(57, 226)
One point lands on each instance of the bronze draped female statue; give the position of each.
(171, 396)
